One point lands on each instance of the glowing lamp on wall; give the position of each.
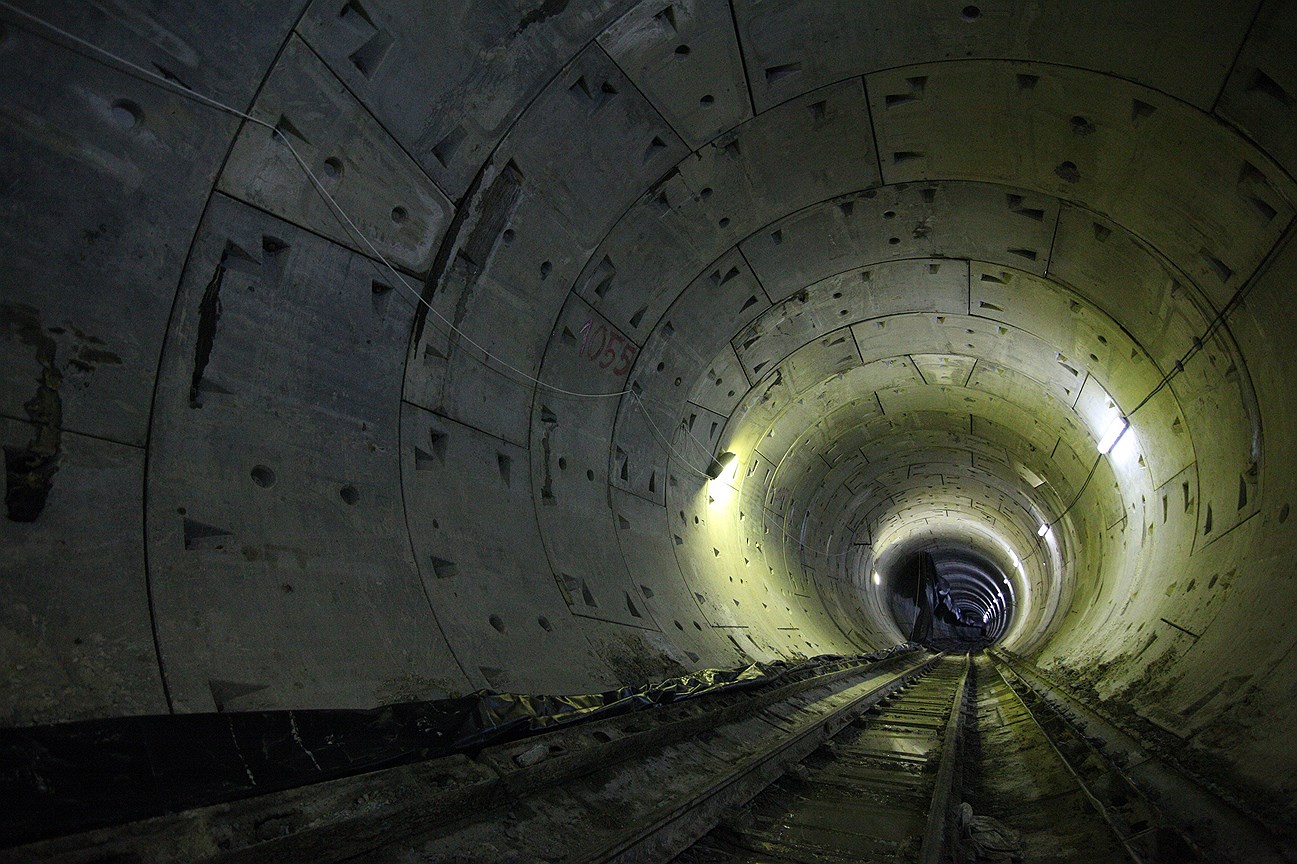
(720, 465)
(1043, 529)
(1115, 430)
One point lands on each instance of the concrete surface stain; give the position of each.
(30, 470)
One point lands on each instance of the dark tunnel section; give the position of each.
(949, 599)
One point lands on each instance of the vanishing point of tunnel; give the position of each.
(697, 430)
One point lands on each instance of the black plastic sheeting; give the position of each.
(937, 624)
(70, 777)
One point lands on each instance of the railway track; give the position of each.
(914, 758)
(1061, 809)
(882, 790)
(875, 792)
(1155, 810)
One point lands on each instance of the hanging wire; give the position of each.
(657, 434)
(1077, 497)
(172, 86)
(1217, 322)
(154, 78)
(1199, 343)
(151, 77)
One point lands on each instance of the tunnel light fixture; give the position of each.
(1115, 430)
(720, 464)
(1043, 529)
(878, 580)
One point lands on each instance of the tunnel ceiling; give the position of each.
(396, 358)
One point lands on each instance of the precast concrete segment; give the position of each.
(907, 263)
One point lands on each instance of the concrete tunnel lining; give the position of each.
(902, 278)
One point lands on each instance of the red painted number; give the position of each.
(600, 335)
(627, 357)
(610, 351)
(600, 346)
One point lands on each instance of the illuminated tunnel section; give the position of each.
(970, 446)
(910, 265)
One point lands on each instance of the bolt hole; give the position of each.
(497, 622)
(707, 101)
(263, 476)
(892, 241)
(562, 463)
(349, 494)
(507, 236)
(889, 214)
(333, 167)
(705, 193)
(399, 215)
(589, 475)
(126, 113)
(682, 51)
(661, 366)
(545, 268)
(544, 624)
(970, 13)
(1283, 514)
(1068, 172)
(725, 222)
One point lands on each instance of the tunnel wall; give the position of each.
(275, 480)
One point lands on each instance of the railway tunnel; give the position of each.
(366, 353)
